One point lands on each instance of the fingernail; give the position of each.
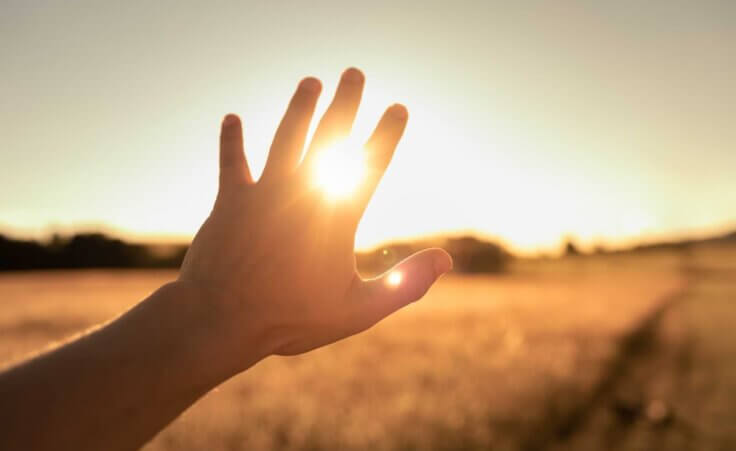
(398, 111)
(310, 84)
(352, 75)
(229, 120)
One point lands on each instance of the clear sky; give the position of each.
(528, 120)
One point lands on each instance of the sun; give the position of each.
(339, 170)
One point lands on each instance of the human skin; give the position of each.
(270, 272)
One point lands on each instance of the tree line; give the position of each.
(96, 250)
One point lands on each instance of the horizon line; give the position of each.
(43, 234)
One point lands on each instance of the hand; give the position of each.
(271, 271)
(275, 257)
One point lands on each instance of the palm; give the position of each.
(307, 289)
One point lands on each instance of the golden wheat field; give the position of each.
(534, 359)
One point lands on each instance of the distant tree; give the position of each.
(571, 249)
(472, 255)
(97, 250)
(21, 254)
(88, 250)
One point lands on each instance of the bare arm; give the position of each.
(116, 387)
(271, 271)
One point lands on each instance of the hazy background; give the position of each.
(611, 121)
(606, 123)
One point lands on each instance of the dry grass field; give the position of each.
(618, 352)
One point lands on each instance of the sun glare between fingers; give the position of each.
(339, 170)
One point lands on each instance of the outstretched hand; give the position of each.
(275, 258)
(271, 271)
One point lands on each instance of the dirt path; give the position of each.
(674, 385)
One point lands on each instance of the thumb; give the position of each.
(403, 284)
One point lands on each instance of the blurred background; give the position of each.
(576, 158)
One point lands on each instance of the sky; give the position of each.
(529, 121)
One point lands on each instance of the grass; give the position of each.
(502, 362)
(679, 391)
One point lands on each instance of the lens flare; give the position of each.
(394, 279)
(339, 170)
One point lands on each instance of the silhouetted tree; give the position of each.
(91, 250)
(469, 254)
(472, 255)
(571, 249)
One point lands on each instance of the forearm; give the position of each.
(271, 271)
(116, 387)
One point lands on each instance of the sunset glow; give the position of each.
(519, 128)
(339, 170)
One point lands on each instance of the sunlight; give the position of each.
(339, 170)
(394, 279)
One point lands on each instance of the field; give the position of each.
(604, 352)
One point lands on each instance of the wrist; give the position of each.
(218, 341)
